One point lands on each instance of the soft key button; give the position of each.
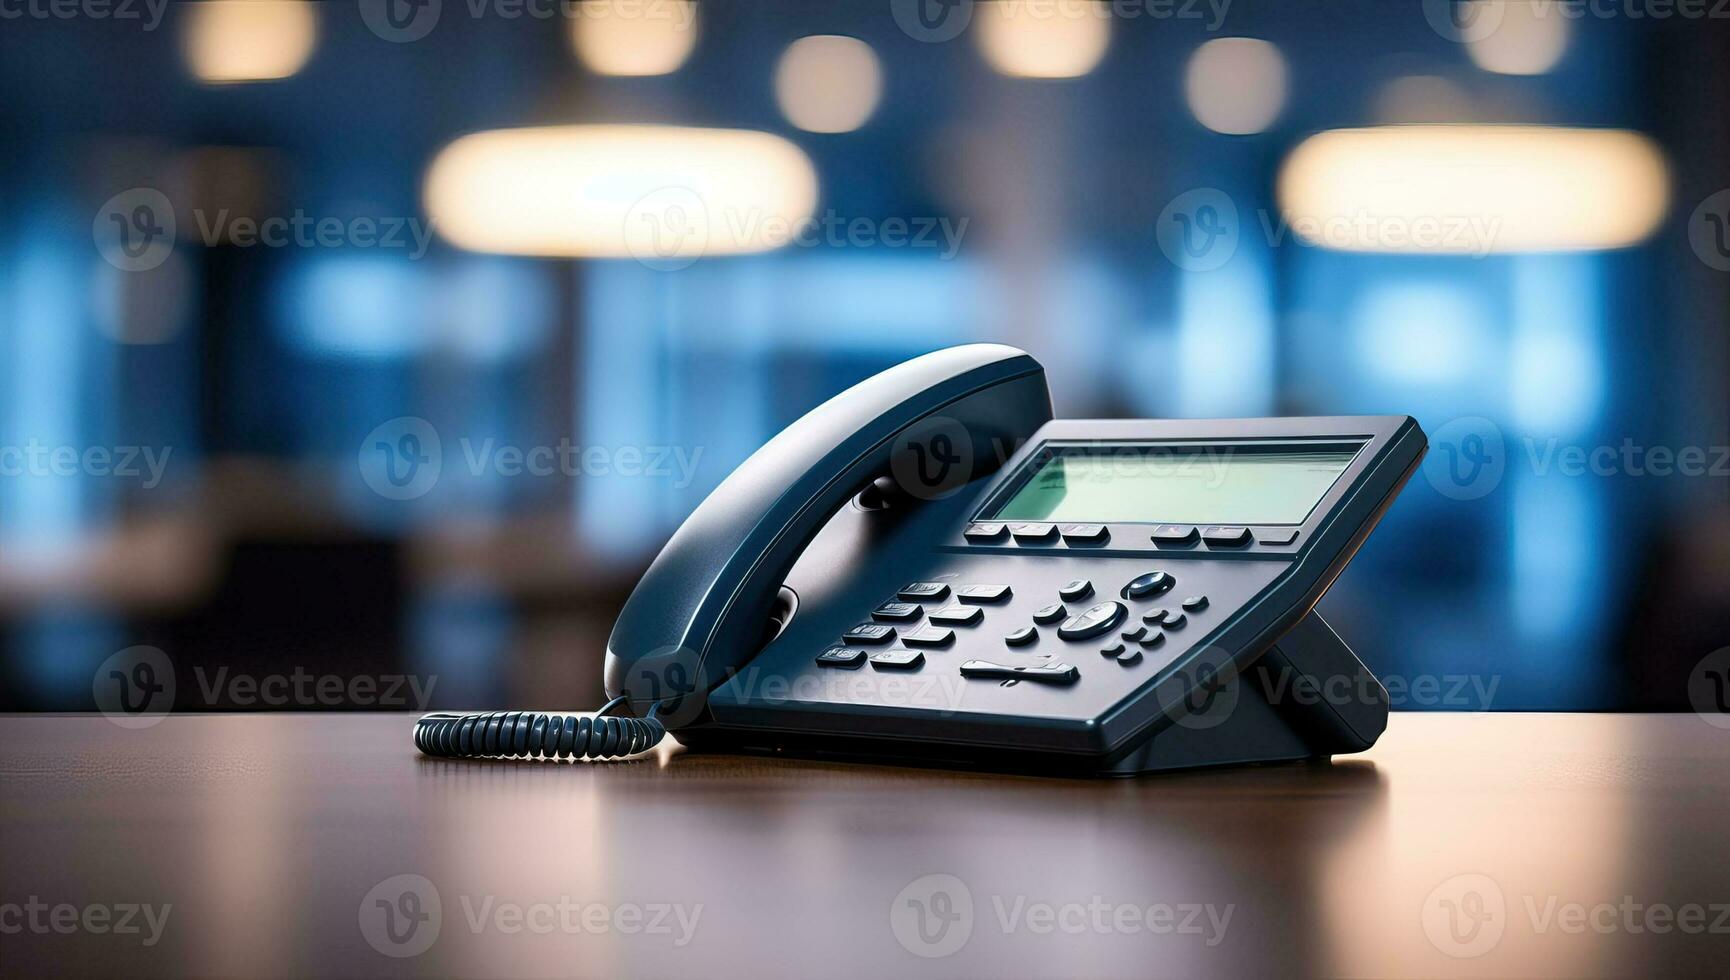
(1033, 533)
(1083, 533)
(1174, 534)
(981, 533)
(1225, 536)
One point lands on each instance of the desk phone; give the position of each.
(928, 568)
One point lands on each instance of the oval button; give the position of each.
(1153, 583)
(1094, 620)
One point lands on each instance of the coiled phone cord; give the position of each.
(536, 735)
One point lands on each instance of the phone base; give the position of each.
(1307, 697)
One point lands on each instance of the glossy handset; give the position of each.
(929, 568)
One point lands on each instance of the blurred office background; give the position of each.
(1154, 198)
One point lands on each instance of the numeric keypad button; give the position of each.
(897, 612)
(956, 615)
(869, 634)
(923, 592)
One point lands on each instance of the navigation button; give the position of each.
(1045, 615)
(1041, 673)
(868, 634)
(1151, 584)
(1022, 636)
(1034, 533)
(923, 592)
(1174, 534)
(982, 593)
(1222, 536)
(1093, 621)
(957, 615)
(1076, 589)
(1083, 533)
(897, 660)
(897, 612)
(984, 532)
(841, 657)
(929, 636)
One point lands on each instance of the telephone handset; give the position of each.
(928, 568)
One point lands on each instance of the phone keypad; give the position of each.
(963, 605)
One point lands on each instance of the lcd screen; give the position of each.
(1180, 485)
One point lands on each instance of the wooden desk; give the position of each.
(266, 834)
